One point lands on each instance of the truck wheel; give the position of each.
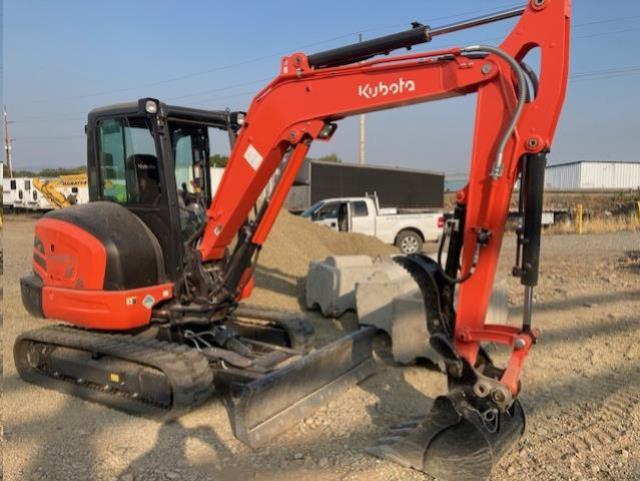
(409, 242)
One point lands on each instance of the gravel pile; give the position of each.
(292, 244)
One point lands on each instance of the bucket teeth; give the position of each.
(450, 443)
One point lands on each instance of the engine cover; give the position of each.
(100, 245)
(96, 265)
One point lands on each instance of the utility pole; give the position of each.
(7, 143)
(362, 135)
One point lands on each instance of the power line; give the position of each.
(228, 87)
(240, 63)
(615, 71)
(601, 74)
(44, 137)
(603, 34)
(219, 89)
(578, 37)
(606, 77)
(608, 20)
(49, 118)
(612, 70)
(245, 62)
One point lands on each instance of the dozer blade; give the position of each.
(454, 442)
(264, 408)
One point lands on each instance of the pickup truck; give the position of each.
(408, 231)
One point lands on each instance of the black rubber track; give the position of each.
(187, 370)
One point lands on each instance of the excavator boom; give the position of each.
(513, 129)
(517, 112)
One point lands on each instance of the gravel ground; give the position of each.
(581, 392)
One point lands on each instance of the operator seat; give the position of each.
(148, 177)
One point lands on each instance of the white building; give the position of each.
(593, 174)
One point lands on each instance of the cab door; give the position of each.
(362, 220)
(327, 215)
(190, 147)
(132, 171)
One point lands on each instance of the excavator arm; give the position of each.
(514, 127)
(516, 117)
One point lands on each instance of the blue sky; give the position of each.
(62, 58)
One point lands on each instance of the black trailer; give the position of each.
(396, 187)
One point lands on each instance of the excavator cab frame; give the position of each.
(153, 158)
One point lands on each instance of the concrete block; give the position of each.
(385, 296)
(498, 311)
(374, 298)
(409, 334)
(330, 284)
(397, 307)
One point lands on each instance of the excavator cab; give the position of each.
(153, 159)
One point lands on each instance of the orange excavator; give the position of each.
(148, 277)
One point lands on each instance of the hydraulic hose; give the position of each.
(496, 169)
(533, 78)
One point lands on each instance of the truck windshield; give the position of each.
(309, 212)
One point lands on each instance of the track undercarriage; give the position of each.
(263, 366)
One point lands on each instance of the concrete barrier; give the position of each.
(330, 284)
(397, 307)
(375, 294)
(409, 334)
(385, 296)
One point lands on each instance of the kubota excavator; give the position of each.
(150, 273)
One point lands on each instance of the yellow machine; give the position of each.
(52, 189)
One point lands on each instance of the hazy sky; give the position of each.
(62, 58)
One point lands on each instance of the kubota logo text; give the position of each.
(369, 91)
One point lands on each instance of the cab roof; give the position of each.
(218, 118)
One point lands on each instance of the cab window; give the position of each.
(360, 208)
(128, 161)
(190, 147)
(328, 211)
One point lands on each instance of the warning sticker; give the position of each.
(148, 301)
(253, 157)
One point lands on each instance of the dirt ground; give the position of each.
(581, 393)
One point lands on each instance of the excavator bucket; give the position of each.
(453, 442)
(268, 405)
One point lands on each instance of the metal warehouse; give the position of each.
(593, 174)
(395, 187)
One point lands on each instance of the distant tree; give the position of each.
(330, 158)
(23, 173)
(49, 172)
(218, 160)
(63, 171)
